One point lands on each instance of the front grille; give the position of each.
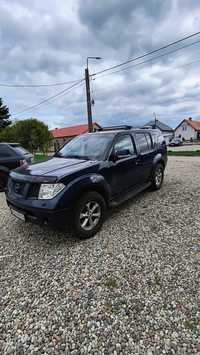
(19, 187)
(33, 190)
(24, 188)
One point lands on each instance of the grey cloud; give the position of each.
(46, 41)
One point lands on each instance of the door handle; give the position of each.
(137, 162)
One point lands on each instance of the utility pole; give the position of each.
(155, 119)
(87, 86)
(89, 106)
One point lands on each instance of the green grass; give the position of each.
(111, 283)
(184, 153)
(40, 157)
(191, 324)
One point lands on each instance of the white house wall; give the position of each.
(186, 134)
(168, 137)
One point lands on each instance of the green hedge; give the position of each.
(184, 153)
(40, 157)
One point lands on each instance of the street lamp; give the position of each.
(87, 85)
(96, 58)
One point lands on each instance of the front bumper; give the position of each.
(54, 218)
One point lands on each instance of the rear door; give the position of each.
(145, 156)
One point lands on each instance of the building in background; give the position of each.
(188, 130)
(168, 132)
(64, 135)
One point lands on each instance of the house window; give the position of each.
(184, 128)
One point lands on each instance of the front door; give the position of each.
(123, 173)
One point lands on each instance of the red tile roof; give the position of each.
(71, 131)
(194, 124)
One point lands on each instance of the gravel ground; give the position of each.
(132, 289)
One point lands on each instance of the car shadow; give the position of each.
(45, 235)
(54, 237)
(129, 203)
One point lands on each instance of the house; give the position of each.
(168, 132)
(188, 129)
(63, 135)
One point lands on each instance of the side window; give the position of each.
(5, 151)
(154, 137)
(141, 142)
(149, 140)
(124, 142)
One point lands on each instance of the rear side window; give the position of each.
(141, 142)
(19, 150)
(5, 151)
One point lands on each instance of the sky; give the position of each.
(45, 42)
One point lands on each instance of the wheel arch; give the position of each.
(91, 182)
(158, 159)
(96, 188)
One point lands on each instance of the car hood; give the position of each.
(56, 167)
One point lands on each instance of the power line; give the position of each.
(149, 60)
(156, 73)
(146, 54)
(60, 93)
(169, 115)
(37, 85)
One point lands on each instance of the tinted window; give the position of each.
(148, 138)
(154, 136)
(157, 138)
(5, 151)
(19, 150)
(124, 142)
(86, 146)
(141, 142)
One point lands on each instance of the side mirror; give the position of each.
(120, 154)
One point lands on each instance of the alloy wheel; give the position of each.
(158, 176)
(90, 215)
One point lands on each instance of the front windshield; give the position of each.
(87, 146)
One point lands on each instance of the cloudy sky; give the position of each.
(44, 42)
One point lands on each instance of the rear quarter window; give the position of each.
(141, 142)
(149, 141)
(157, 139)
(20, 150)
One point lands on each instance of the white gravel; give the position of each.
(132, 289)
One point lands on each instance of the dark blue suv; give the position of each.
(89, 174)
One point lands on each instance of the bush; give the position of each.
(31, 134)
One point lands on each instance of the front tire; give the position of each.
(158, 176)
(88, 215)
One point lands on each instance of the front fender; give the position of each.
(89, 182)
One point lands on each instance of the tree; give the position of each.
(31, 134)
(4, 115)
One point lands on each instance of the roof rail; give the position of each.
(111, 128)
(146, 127)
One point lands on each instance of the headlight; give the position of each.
(49, 191)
